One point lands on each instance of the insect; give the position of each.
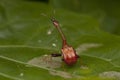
(68, 53)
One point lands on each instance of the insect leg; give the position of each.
(56, 54)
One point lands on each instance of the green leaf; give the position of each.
(27, 38)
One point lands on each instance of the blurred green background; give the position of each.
(107, 12)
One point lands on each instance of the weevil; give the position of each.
(69, 55)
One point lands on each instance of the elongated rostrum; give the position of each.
(68, 53)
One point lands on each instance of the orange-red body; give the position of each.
(69, 55)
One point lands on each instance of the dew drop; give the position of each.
(54, 45)
(49, 32)
(21, 74)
